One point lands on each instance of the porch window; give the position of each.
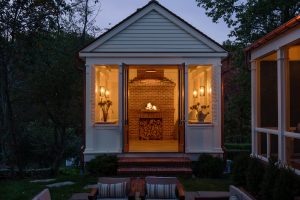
(293, 89)
(200, 94)
(106, 94)
(267, 107)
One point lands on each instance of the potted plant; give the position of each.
(200, 111)
(105, 105)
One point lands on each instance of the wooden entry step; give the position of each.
(163, 166)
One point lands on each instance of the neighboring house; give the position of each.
(150, 69)
(275, 66)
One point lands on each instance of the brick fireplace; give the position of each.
(151, 86)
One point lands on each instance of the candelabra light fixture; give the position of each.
(202, 91)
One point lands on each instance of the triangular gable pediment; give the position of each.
(153, 29)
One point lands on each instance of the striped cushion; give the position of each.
(117, 190)
(161, 191)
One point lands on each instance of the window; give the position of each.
(106, 94)
(199, 94)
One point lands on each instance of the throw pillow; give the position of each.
(117, 190)
(161, 191)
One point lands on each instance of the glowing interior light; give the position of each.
(102, 91)
(107, 93)
(195, 93)
(202, 91)
(150, 107)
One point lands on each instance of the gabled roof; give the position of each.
(275, 33)
(111, 39)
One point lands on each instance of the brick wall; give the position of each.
(154, 88)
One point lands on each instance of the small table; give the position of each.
(79, 196)
(137, 189)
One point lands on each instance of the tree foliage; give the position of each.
(41, 86)
(251, 19)
(248, 20)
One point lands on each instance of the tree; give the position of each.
(40, 86)
(18, 19)
(249, 20)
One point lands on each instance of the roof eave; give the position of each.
(275, 33)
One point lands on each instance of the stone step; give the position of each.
(147, 166)
(155, 161)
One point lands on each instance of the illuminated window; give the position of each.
(199, 91)
(106, 94)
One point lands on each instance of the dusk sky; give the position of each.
(114, 11)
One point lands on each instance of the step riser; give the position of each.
(143, 174)
(154, 166)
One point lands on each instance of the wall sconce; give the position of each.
(209, 90)
(195, 94)
(101, 91)
(202, 91)
(107, 93)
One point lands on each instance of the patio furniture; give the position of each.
(239, 194)
(163, 188)
(43, 195)
(111, 188)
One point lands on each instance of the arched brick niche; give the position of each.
(151, 86)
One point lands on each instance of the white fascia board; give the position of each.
(153, 55)
(123, 25)
(275, 44)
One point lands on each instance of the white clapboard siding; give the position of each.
(153, 33)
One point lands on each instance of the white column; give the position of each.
(121, 105)
(218, 106)
(281, 80)
(253, 107)
(89, 135)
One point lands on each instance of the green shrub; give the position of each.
(239, 167)
(269, 179)
(69, 171)
(238, 146)
(104, 165)
(254, 175)
(286, 185)
(208, 166)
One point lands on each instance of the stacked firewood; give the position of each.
(150, 129)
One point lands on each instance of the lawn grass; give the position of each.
(23, 189)
(205, 184)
